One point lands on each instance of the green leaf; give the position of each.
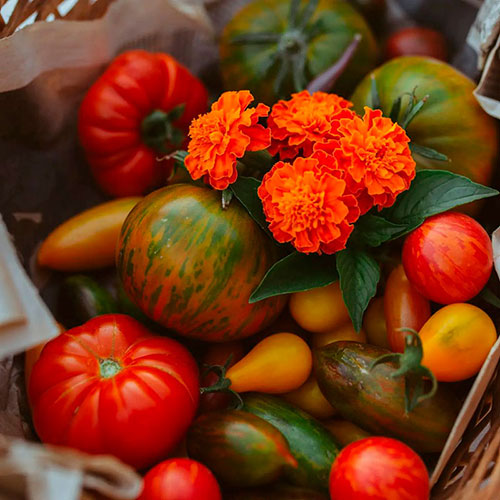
(426, 152)
(179, 156)
(359, 275)
(395, 110)
(295, 273)
(375, 95)
(413, 112)
(373, 230)
(488, 296)
(433, 192)
(245, 190)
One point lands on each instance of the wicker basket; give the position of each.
(473, 471)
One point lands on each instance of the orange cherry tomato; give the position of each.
(280, 363)
(88, 240)
(456, 341)
(344, 332)
(374, 324)
(319, 310)
(309, 398)
(404, 307)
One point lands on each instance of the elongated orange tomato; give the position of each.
(88, 240)
(280, 363)
(404, 307)
(456, 341)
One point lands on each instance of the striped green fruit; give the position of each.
(191, 266)
(451, 121)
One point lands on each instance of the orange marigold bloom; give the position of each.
(376, 157)
(307, 203)
(224, 134)
(305, 120)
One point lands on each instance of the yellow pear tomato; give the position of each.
(319, 310)
(345, 332)
(456, 341)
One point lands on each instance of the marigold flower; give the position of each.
(224, 134)
(375, 155)
(307, 203)
(305, 120)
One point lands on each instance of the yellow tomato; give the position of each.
(279, 363)
(88, 240)
(309, 398)
(456, 341)
(319, 310)
(374, 323)
(345, 432)
(345, 332)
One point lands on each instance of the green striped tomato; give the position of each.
(451, 121)
(191, 266)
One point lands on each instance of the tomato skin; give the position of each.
(180, 479)
(374, 324)
(416, 41)
(378, 468)
(111, 116)
(111, 387)
(448, 258)
(404, 307)
(344, 332)
(456, 341)
(280, 363)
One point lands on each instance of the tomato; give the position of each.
(309, 398)
(304, 47)
(279, 363)
(111, 387)
(404, 307)
(378, 468)
(218, 354)
(451, 121)
(416, 41)
(319, 310)
(456, 341)
(88, 240)
(345, 432)
(180, 479)
(344, 332)
(374, 324)
(448, 258)
(137, 111)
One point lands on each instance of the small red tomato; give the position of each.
(180, 479)
(448, 258)
(378, 468)
(416, 41)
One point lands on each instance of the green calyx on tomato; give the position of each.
(158, 131)
(109, 367)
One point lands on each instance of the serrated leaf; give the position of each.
(359, 274)
(296, 272)
(373, 230)
(433, 192)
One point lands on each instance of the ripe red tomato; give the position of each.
(180, 479)
(133, 115)
(416, 41)
(448, 258)
(378, 468)
(111, 387)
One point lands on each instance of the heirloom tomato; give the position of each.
(404, 307)
(448, 258)
(180, 479)
(456, 341)
(87, 240)
(111, 387)
(416, 41)
(275, 47)
(191, 266)
(319, 310)
(133, 115)
(451, 121)
(378, 468)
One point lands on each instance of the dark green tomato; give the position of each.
(272, 52)
(241, 449)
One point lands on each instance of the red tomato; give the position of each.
(180, 479)
(124, 123)
(378, 468)
(218, 354)
(448, 258)
(416, 41)
(404, 307)
(111, 387)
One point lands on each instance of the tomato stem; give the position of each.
(158, 131)
(109, 367)
(222, 384)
